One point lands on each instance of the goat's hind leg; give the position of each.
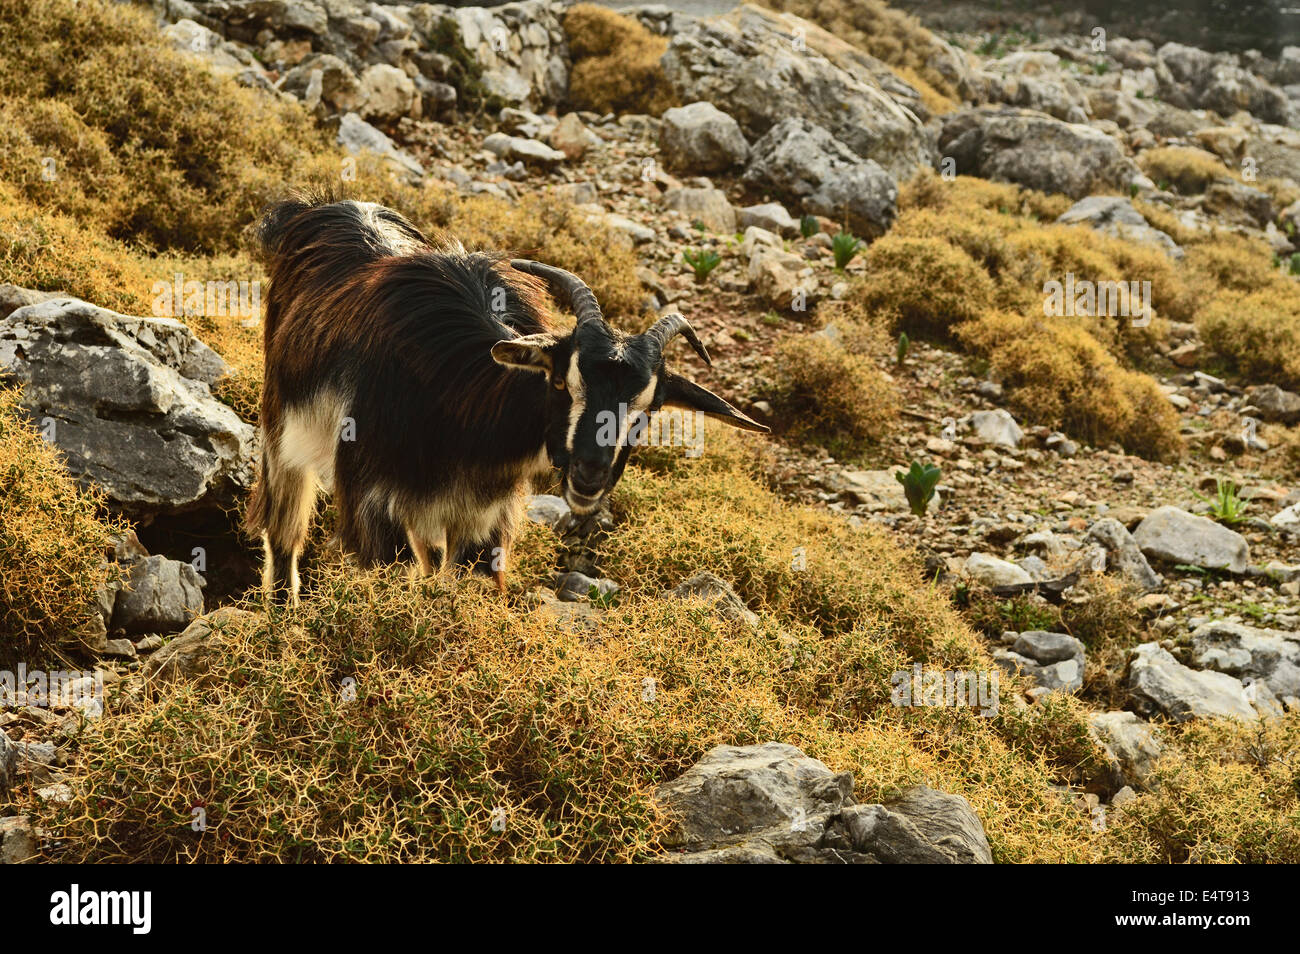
(291, 500)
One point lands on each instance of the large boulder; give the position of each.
(1035, 150)
(1034, 79)
(1176, 536)
(709, 207)
(1274, 404)
(797, 159)
(699, 137)
(1191, 78)
(520, 47)
(1161, 685)
(1115, 215)
(128, 402)
(1268, 655)
(325, 84)
(772, 803)
(747, 64)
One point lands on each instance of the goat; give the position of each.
(426, 389)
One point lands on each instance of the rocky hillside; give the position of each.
(1016, 577)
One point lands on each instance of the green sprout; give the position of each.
(904, 343)
(703, 260)
(1226, 506)
(844, 246)
(809, 226)
(918, 485)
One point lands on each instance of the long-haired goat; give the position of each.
(426, 389)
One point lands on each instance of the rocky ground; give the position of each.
(1022, 512)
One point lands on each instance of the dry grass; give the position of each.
(615, 63)
(1060, 375)
(1187, 169)
(825, 393)
(466, 706)
(52, 544)
(1226, 792)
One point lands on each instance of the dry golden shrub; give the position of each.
(1060, 375)
(467, 707)
(1187, 169)
(928, 285)
(53, 543)
(615, 63)
(1258, 332)
(825, 393)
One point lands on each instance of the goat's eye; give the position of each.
(558, 383)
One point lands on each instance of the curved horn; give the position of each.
(667, 326)
(574, 288)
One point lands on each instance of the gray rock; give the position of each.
(18, 842)
(1287, 518)
(1123, 553)
(718, 593)
(1054, 661)
(1176, 536)
(1044, 647)
(1276, 405)
(388, 94)
(1195, 79)
(1269, 655)
(1160, 685)
(1235, 203)
(12, 298)
(325, 84)
(8, 762)
(576, 587)
(160, 596)
(1115, 215)
(528, 151)
(877, 490)
(1135, 744)
(771, 803)
(548, 509)
(770, 216)
(129, 404)
(699, 137)
(996, 427)
(357, 136)
(745, 64)
(189, 654)
(799, 160)
(947, 821)
(992, 571)
(709, 207)
(1034, 79)
(1035, 150)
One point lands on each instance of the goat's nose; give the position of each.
(587, 476)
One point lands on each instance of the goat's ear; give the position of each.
(679, 392)
(530, 353)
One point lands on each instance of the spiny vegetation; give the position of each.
(53, 545)
(615, 63)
